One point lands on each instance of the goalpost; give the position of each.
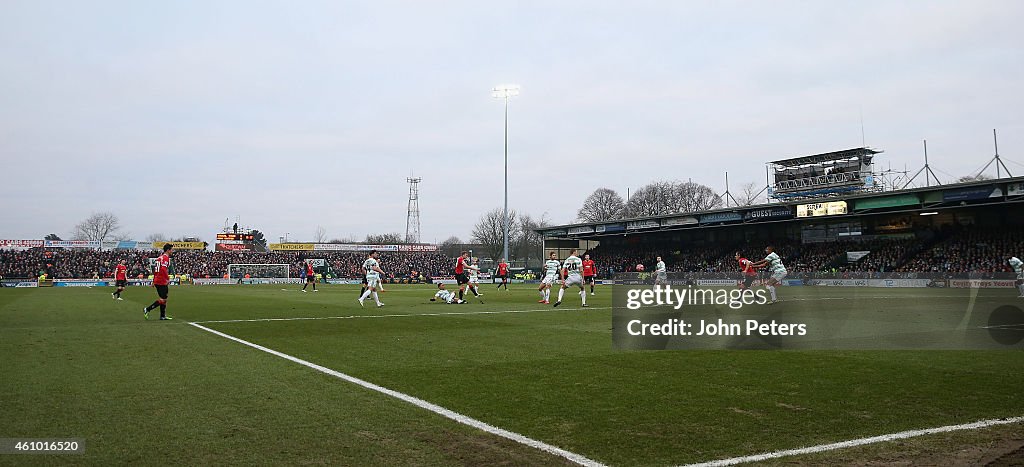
(259, 271)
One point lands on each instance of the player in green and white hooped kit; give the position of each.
(551, 267)
(660, 273)
(1018, 267)
(373, 272)
(777, 269)
(446, 295)
(573, 266)
(474, 279)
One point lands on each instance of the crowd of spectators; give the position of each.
(21, 263)
(957, 252)
(953, 252)
(85, 264)
(970, 251)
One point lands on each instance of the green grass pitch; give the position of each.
(78, 364)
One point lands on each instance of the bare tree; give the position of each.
(661, 198)
(489, 231)
(259, 242)
(973, 178)
(320, 235)
(646, 201)
(52, 237)
(602, 205)
(696, 197)
(450, 246)
(700, 198)
(156, 237)
(392, 238)
(98, 226)
(750, 194)
(530, 242)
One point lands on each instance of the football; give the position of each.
(639, 267)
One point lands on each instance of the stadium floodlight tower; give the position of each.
(822, 175)
(505, 91)
(412, 218)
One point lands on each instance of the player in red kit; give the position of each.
(749, 272)
(161, 279)
(589, 272)
(461, 274)
(120, 279)
(503, 274)
(310, 277)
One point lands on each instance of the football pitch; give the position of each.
(271, 375)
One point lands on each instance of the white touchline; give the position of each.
(399, 315)
(463, 419)
(858, 442)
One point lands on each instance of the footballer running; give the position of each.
(120, 279)
(503, 274)
(373, 272)
(571, 276)
(551, 267)
(589, 272)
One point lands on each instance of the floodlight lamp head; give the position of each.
(504, 91)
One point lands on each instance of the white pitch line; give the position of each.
(858, 442)
(1003, 326)
(397, 315)
(447, 413)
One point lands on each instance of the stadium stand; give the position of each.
(969, 250)
(81, 264)
(952, 251)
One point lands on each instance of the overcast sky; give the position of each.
(177, 115)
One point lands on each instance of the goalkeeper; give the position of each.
(446, 296)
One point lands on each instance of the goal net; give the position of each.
(258, 271)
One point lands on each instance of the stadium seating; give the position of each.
(959, 251)
(954, 252)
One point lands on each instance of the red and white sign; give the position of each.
(417, 247)
(231, 247)
(20, 243)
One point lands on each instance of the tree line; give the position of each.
(654, 199)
